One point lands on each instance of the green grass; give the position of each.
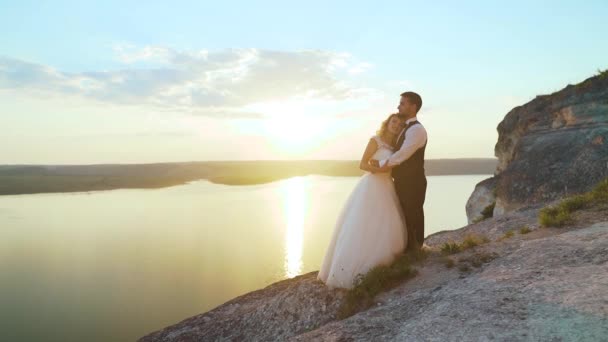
(486, 213)
(524, 230)
(561, 214)
(377, 280)
(600, 192)
(577, 202)
(448, 262)
(602, 74)
(509, 234)
(475, 260)
(472, 240)
(469, 241)
(450, 247)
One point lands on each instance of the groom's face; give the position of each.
(405, 107)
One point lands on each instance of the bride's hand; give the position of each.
(374, 162)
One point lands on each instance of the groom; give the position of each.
(407, 169)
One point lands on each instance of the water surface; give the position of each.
(115, 265)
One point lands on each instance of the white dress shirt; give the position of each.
(414, 139)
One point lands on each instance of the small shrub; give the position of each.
(450, 247)
(487, 257)
(472, 240)
(554, 217)
(476, 260)
(576, 202)
(584, 84)
(509, 234)
(560, 214)
(378, 279)
(600, 192)
(486, 213)
(448, 262)
(524, 230)
(469, 241)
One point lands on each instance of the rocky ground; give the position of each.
(548, 285)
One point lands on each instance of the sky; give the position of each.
(146, 82)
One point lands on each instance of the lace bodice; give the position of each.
(384, 150)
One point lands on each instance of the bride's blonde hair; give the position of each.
(384, 128)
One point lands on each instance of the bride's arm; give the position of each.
(371, 148)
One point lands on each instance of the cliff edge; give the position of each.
(553, 146)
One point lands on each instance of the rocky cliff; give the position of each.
(547, 285)
(552, 146)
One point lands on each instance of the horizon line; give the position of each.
(238, 161)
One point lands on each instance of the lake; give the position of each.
(116, 265)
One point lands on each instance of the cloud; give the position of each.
(213, 83)
(359, 68)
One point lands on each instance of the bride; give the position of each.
(370, 230)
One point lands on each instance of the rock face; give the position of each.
(482, 197)
(552, 146)
(547, 285)
(281, 310)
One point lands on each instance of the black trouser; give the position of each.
(411, 193)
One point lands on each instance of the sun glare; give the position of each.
(294, 130)
(293, 125)
(295, 212)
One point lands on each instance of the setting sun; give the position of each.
(293, 125)
(295, 131)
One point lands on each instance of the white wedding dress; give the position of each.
(370, 230)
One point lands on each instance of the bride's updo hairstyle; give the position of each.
(383, 131)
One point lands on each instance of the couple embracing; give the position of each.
(383, 216)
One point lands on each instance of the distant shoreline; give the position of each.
(33, 179)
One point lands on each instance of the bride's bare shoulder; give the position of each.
(372, 146)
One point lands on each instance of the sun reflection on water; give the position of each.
(294, 190)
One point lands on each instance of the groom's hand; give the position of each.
(374, 163)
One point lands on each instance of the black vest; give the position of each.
(412, 169)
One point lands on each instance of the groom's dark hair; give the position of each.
(413, 98)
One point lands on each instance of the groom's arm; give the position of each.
(414, 139)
